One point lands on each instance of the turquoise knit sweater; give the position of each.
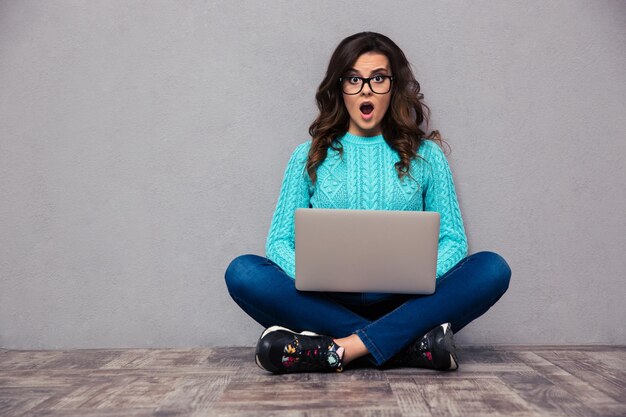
(366, 179)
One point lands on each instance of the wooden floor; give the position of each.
(491, 381)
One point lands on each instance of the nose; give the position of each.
(368, 86)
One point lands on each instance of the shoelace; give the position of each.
(313, 354)
(422, 349)
(418, 352)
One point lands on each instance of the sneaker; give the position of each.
(435, 350)
(282, 351)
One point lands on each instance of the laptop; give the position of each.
(383, 251)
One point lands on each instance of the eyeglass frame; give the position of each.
(366, 81)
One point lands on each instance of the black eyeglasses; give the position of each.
(379, 84)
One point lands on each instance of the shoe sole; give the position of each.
(450, 346)
(274, 329)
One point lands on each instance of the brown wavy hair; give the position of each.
(400, 125)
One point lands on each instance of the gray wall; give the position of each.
(143, 145)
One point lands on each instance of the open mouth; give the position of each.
(366, 108)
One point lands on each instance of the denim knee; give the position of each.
(237, 274)
(496, 270)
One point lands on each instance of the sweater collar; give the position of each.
(361, 140)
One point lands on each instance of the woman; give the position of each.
(367, 152)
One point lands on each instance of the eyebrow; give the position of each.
(381, 69)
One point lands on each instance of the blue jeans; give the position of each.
(386, 323)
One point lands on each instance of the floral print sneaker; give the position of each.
(281, 351)
(435, 350)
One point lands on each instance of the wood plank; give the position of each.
(126, 412)
(279, 394)
(47, 378)
(160, 358)
(26, 359)
(486, 354)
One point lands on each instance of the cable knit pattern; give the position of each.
(366, 179)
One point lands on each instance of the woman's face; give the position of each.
(367, 65)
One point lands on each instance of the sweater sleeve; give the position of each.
(294, 193)
(440, 196)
